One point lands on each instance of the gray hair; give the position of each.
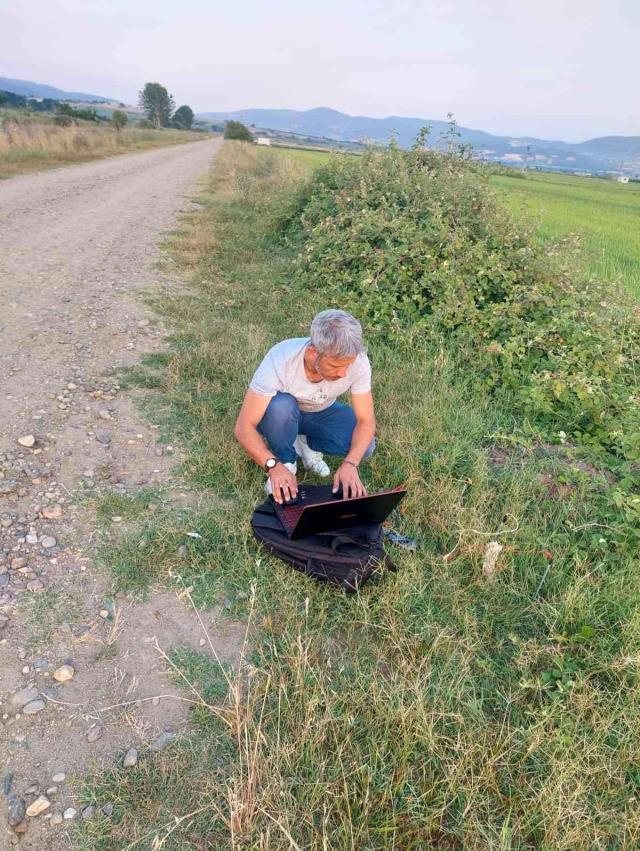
(337, 333)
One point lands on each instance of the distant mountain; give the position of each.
(609, 153)
(40, 90)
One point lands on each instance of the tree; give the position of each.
(237, 130)
(157, 103)
(183, 118)
(119, 119)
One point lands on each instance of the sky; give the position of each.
(555, 69)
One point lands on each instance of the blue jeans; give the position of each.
(327, 431)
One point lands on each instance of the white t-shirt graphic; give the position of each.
(282, 371)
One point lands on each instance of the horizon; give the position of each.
(84, 90)
(542, 69)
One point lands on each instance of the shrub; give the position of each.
(85, 114)
(417, 245)
(182, 118)
(119, 119)
(238, 131)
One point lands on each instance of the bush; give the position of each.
(63, 120)
(119, 119)
(417, 245)
(238, 131)
(182, 118)
(86, 114)
(145, 124)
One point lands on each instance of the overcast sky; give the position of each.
(563, 69)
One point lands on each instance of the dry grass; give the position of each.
(27, 146)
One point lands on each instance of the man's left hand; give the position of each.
(348, 477)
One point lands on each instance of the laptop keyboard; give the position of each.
(290, 514)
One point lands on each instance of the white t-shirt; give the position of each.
(282, 370)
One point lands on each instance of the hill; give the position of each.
(41, 90)
(609, 153)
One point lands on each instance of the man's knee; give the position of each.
(283, 407)
(281, 410)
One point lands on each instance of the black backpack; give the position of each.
(345, 557)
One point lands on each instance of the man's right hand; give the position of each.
(284, 484)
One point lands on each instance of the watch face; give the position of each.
(271, 463)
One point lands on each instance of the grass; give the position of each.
(28, 146)
(435, 709)
(45, 612)
(604, 216)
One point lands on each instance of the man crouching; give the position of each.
(291, 407)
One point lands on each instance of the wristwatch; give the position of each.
(270, 463)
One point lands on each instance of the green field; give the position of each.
(603, 214)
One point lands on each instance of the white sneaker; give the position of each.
(311, 459)
(291, 466)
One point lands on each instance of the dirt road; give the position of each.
(77, 246)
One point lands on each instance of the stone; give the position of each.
(3, 621)
(69, 813)
(27, 440)
(56, 818)
(24, 696)
(17, 562)
(103, 437)
(48, 541)
(182, 551)
(130, 758)
(52, 512)
(104, 414)
(32, 538)
(33, 707)
(107, 810)
(16, 810)
(22, 827)
(89, 812)
(35, 585)
(52, 790)
(7, 783)
(40, 805)
(64, 673)
(162, 741)
(60, 777)
(94, 734)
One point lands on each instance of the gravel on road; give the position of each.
(77, 247)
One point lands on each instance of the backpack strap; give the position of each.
(338, 541)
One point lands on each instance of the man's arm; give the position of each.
(363, 433)
(365, 429)
(246, 430)
(283, 482)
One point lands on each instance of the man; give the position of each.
(291, 407)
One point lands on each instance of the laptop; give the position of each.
(319, 510)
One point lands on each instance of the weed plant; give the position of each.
(440, 707)
(27, 146)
